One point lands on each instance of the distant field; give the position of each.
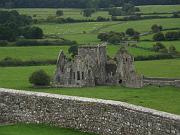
(150, 36)
(43, 13)
(78, 28)
(112, 49)
(159, 8)
(144, 25)
(32, 53)
(87, 32)
(34, 129)
(159, 68)
(83, 38)
(80, 32)
(163, 98)
(51, 52)
(166, 43)
(73, 28)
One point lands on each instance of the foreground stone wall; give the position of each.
(103, 117)
(161, 81)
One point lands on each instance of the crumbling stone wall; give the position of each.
(103, 117)
(161, 81)
(91, 67)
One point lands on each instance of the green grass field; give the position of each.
(37, 13)
(159, 68)
(83, 33)
(32, 53)
(17, 77)
(75, 31)
(78, 28)
(33, 129)
(166, 43)
(51, 52)
(72, 28)
(159, 8)
(43, 13)
(144, 25)
(163, 98)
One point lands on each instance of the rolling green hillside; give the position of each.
(161, 98)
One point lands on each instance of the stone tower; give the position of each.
(98, 61)
(125, 73)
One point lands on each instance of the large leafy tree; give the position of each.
(11, 23)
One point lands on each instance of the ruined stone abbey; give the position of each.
(92, 67)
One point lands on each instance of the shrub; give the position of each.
(112, 37)
(158, 46)
(154, 57)
(176, 14)
(130, 31)
(155, 28)
(44, 42)
(40, 78)
(163, 50)
(115, 11)
(73, 50)
(3, 43)
(172, 49)
(7, 33)
(136, 36)
(8, 61)
(158, 37)
(88, 12)
(101, 19)
(174, 35)
(103, 36)
(59, 13)
(33, 33)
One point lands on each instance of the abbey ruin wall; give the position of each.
(103, 117)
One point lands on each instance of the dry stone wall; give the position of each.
(161, 81)
(103, 117)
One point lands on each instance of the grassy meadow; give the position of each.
(34, 129)
(51, 52)
(32, 53)
(87, 32)
(159, 8)
(166, 43)
(37, 13)
(17, 77)
(144, 25)
(43, 13)
(160, 98)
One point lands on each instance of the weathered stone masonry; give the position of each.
(104, 117)
(91, 67)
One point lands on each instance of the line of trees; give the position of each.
(168, 36)
(117, 37)
(127, 9)
(159, 47)
(79, 3)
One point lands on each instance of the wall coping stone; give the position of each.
(93, 100)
